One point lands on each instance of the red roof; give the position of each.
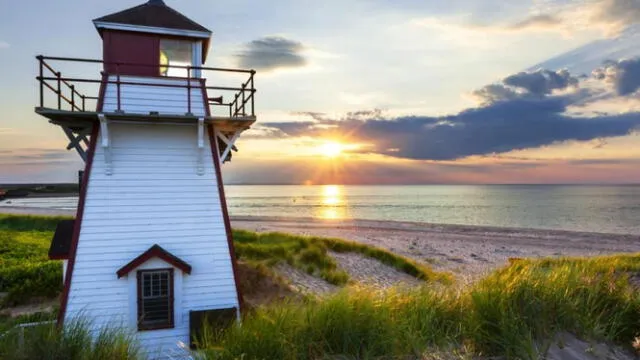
(154, 13)
(154, 252)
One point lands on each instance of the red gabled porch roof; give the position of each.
(155, 252)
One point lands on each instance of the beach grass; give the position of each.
(311, 254)
(512, 313)
(74, 342)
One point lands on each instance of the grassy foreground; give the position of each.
(510, 313)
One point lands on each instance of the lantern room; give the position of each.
(157, 39)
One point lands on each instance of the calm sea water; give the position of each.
(606, 209)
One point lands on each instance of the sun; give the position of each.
(331, 149)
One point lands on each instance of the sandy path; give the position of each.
(467, 250)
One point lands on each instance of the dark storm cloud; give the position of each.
(496, 128)
(496, 92)
(541, 82)
(531, 84)
(270, 53)
(623, 74)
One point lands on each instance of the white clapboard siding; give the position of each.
(154, 195)
(151, 96)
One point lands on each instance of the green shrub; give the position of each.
(31, 280)
(25, 271)
(29, 223)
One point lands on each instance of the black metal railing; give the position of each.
(69, 98)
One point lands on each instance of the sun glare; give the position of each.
(331, 149)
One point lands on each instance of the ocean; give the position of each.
(604, 209)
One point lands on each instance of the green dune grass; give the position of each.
(310, 254)
(508, 314)
(512, 313)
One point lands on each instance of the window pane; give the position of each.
(175, 53)
(155, 302)
(146, 285)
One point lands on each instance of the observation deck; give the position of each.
(74, 101)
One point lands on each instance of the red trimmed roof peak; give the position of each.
(155, 252)
(154, 13)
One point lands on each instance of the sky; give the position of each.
(376, 91)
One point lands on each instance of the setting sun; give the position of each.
(331, 149)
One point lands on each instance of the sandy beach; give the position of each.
(468, 251)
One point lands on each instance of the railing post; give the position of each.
(253, 94)
(83, 98)
(41, 60)
(58, 74)
(117, 84)
(189, 90)
(243, 98)
(73, 97)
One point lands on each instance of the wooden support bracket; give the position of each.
(105, 143)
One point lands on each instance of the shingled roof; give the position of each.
(154, 13)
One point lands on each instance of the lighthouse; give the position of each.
(151, 247)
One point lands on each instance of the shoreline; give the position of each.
(467, 251)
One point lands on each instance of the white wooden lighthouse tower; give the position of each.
(150, 248)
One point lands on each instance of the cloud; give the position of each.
(624, 75)
(272, 52)
(28, 156)
(526, 85)
(4, 44)
(536, 22)
(616, 14)
(541, 82)
(611, 16)
(527, 110)
(496, 128)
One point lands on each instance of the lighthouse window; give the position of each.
(155, 299)
(175, 53)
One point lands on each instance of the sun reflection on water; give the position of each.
(333, 202)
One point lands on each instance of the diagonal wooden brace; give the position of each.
(82, 136)
(229, 143)
(74, 143)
